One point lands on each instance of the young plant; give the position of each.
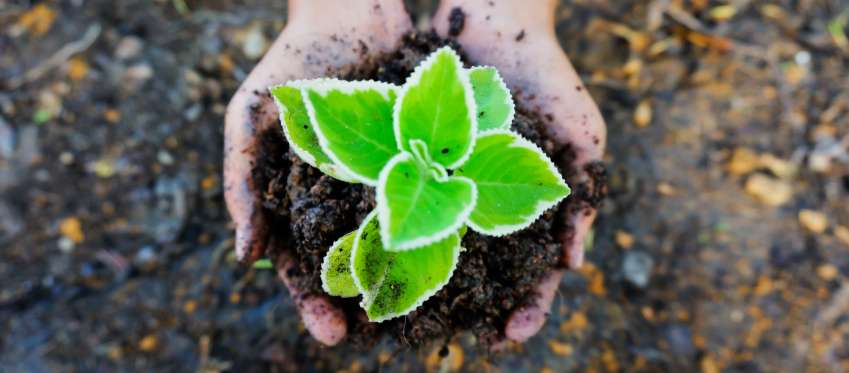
(441, 156)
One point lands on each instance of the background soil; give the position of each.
(724, 246)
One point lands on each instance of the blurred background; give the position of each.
(724, 246)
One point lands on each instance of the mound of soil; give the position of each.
(494, 276)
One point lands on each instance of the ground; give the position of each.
(724, 245)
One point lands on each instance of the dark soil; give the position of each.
(495, 275)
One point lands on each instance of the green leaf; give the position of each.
(494, 104)
(299, 131)
(393, 283)
(336, 268)
(437, 106)
(516, 183)
(353, 123)
(418, 205)
(263, 264)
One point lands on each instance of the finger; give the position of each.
(573, 239)
(527, 321)
(248, 113)
(324, 321)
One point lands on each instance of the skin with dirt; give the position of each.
(495, 275)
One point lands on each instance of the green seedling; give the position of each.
(439, 152)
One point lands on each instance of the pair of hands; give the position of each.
(323, 36)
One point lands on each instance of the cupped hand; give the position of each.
(321, 36)
(517, 38)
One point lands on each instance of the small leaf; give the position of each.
(299, 132)
(263, 264)
(336, 268)
(395, 283)
(437, 106)
(353, 122)
(495, 107)
(516, 183)
(418, 206)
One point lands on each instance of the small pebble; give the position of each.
(643, 114)
(827, 272)
(112, 116)
(66, 158)
(709, 365)
(71, 228)
(148, 343)
(743, 161)
(768, 190)
(77, 68)
(255, 43)
(560, 348)
(165, 158)
(145, 258)
(128, 48)
(813, 221)
(103, 168)
(842, 234)
(66, 245)
(624, 239)
(780, 167)
(637, 267)
(139, 73)
(802, 58)
(819, 162)
(666, 189)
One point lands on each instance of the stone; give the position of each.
(624, 239)
(743, 161)
(254, 43)
(637, 267)
(813, 221)
(129, 47)
(769, 191)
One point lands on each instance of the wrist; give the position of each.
(307, 10)
(493, 14)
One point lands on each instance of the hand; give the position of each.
(517, 38)
(321, 36)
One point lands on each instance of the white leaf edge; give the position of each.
(325, 266)
(355, 248)
(507, 123)
(330, 169)
(367, 294)
(542, 205)
(383, 209)
(323, 86)
(416, 77)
